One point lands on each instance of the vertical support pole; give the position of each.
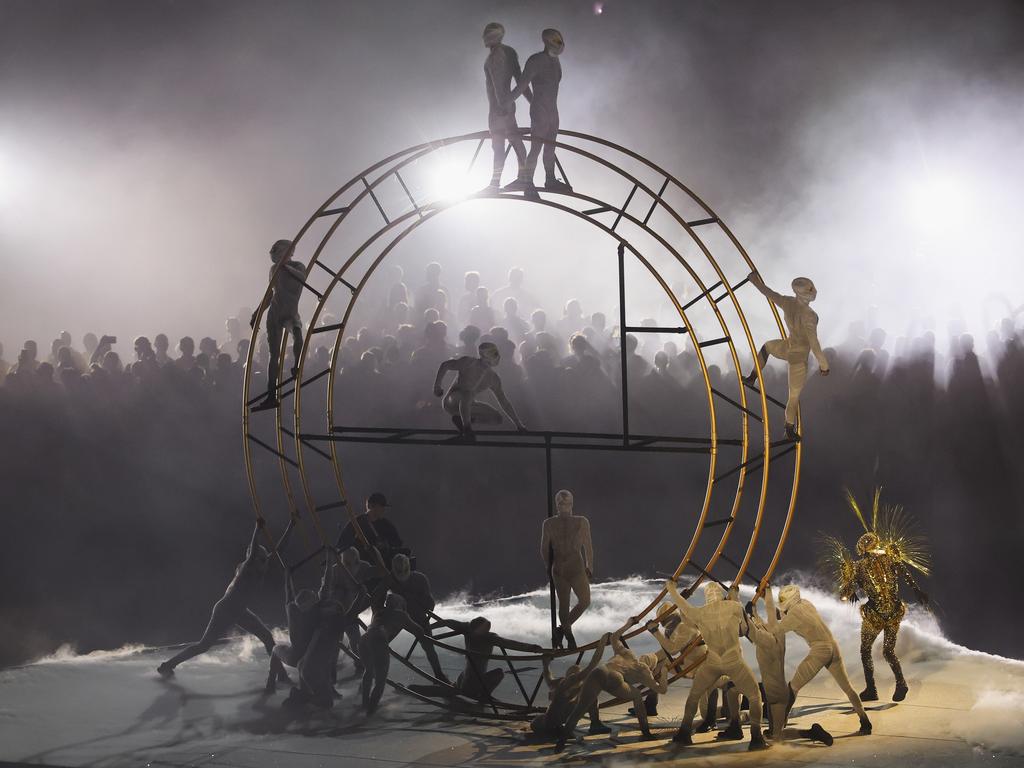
(622, 343)
(551, 548)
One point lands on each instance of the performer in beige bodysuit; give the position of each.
(721, 623)
(566, 549)
(802, 323)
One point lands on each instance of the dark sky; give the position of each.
(151, 151)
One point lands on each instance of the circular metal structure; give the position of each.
(659, 225)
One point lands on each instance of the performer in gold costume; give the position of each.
(885, 554)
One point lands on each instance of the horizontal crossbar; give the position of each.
(656, 329)
(273, 450)
(702, 294)
(526, 439)
(767, 397)
(701, 222)
(331, 211)
(752, 576)
(332, 505)
(722, 521)
(713, 342)
(735, 288)
(737, 405)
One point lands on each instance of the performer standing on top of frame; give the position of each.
(544, 72)
(500, 69)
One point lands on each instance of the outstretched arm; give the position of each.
(515, 645)
(686, 610)
(598, 654)
(283, 541)
(769, 607)
(442, 371)
(618, 648)
(504, 402)
(260, 524)
(776, 298)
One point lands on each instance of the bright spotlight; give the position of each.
(938, 204)
(450, 181)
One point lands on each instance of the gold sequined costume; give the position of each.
(885, 554)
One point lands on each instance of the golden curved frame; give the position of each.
(366, 191)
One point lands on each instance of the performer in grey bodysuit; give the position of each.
(500, 69)
(564, 693)
(233, 608)
(474, 376)
(544, 72)
(286, 279)
(567, 550)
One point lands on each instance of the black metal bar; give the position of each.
(736, 287)
(767, 397)
(536, 690)
(753, 577)
(713, 342)
(326, 328)
(478, 443)
(722, 521)
(708, 575)
(701, 222)
(733, 402)
(306, 559)
(332, 505)
(320, 452)
(527, 433)
(311, 379)
(335, 275)
(408, 193)
(593, 211)
(623, 336)
(657, 329)
(515, 674)
(759, 459)
(551, 547)
(412, 647)
(251, 402)
(331, 211)
(561, 170)
(654, 203)
(641, 443)
(375, 200)
(625, 205)
(272, 450)
(702, 294)
(476, 153)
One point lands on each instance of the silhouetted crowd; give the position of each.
(147, 448)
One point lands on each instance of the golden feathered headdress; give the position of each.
(897, 536)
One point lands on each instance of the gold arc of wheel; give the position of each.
(425, 149)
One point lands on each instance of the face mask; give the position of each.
(494, 33)
(553, 42)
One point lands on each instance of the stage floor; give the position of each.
(112, 709)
